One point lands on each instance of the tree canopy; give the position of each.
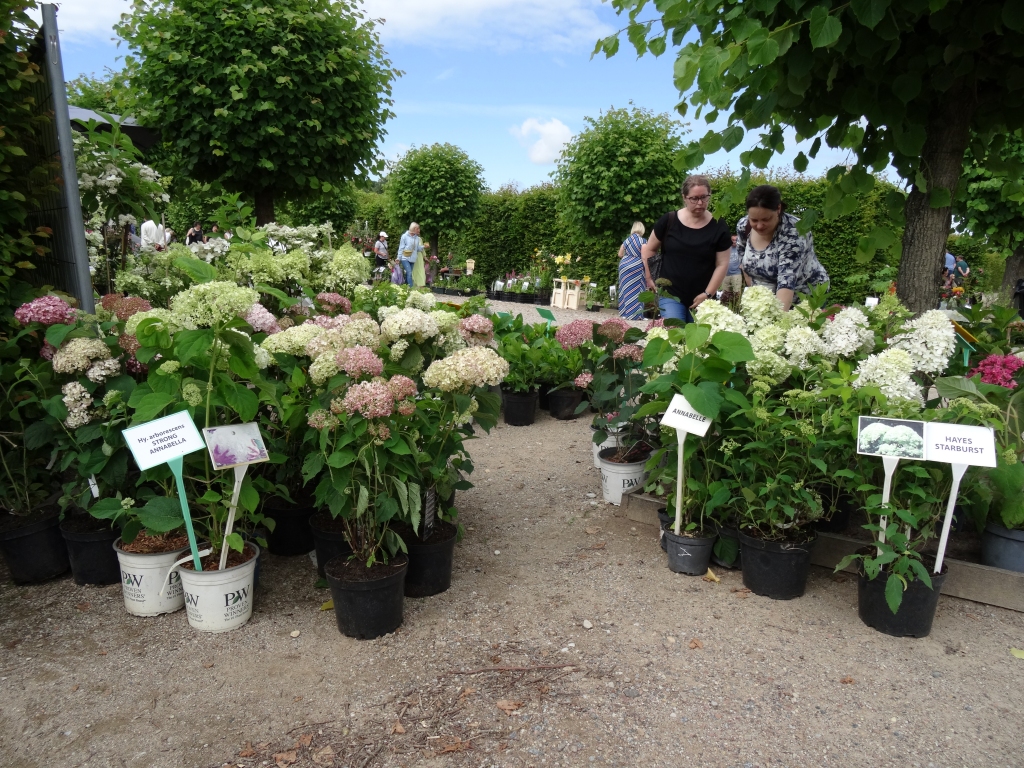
(619, 170)
(438, 187)
(270, 100)
(899, 83)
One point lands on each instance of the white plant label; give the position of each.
(871, 301)
(156, 442)
(682, 417)
(235, 444)
(960, 444)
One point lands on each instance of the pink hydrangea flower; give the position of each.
(998, 370)
(359, 361)
(402, 387)
(373, 399)
(261, 320)
(632, 352)
(132, 305)
(476, 330)
(573, 334)
(109, 301)
(584, 380)
(613, 328)
(48, 310)
(128, 343)
(326, 321)
(361, 316)
(657, 323)
(48, 351)
(334, 302)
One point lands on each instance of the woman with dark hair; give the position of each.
(694, 249)
(773, 253)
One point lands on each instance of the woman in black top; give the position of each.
(694, 251)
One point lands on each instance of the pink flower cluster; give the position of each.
(326, 321)
(613, 328)
(334, 302)
(575, 333)
(656, 323)
(359, 361)
(109, 301)
(584, 380)
(48, 351)
(402, 387)
(372, 399)
(48, 310)
(632, 352)
(261, 320)
(476, 330)
(132, 305)
(999, 370)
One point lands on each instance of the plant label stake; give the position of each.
(961, 446)
(682, 417)
(168, 440)
(889, 466)
(235, 446)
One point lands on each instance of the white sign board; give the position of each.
(235, 444)
(899, 438)
(871, 301)
(960, 444)
(681, 416)
(158, 441)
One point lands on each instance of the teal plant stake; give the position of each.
(177, 466)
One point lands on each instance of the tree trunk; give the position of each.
(924, 238)
(1014, 270)
(264, 206)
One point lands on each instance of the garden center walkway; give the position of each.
(614, 660)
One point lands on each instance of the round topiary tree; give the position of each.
(269, 100)
(438, 186)
(619, 170)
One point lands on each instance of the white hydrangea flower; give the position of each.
(715, 314)
(770, 365)
(387, 311)
(208, 304)
(929, 340)
(760, 307)
(768, 338)
(890, 371)
(292, 341)
(848, 334)
(323, 368)
(407, 322)
(419, 300)
(801, 343)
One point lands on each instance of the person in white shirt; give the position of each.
(380, 250)
(153, 235)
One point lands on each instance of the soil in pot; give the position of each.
(1002, 547)
(430, 561)
(90, 549)
(689, 554)
(368, 602)
(562, 403)
(520, 409)
(329, 538)
(622, 473)
(775, 569)
(914, 616)
(33, 546)
(291, 535)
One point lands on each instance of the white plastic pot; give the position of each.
(219, 601)
(614, 441)
(617, 479)
(143, 575)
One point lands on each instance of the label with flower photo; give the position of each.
(235, 444)
(901, 438)
(960, 444)
(682, 416)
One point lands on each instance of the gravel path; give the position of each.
(673, 671)
(529, 311)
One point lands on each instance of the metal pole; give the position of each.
(69, 172)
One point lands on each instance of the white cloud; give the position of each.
(551, 137)
(81, 21)
(446, 74)
(554, 25)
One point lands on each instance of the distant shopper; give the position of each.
(960, 271)
(733, 282)
(409, 248)
(773, 253)
(950, 262)
(195, 234)
(631, 273)
(694, 249)
(153, 235)
(380, 251)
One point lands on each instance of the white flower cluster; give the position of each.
(715, 314)
(306, 238)
(420, 300)
(929, 340)
(292, 341)
(760, 307)
(78, 401)
(465, 369)
(802, 342)
(344, 270)
(848, 333)
(323, 368)
(890, 371)
(208, 304)
(770, 365)
(171, 321)
(217, 246)
(446, 321)
(409, 322)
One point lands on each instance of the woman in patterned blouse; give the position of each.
(773, 253)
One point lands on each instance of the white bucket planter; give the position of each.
(617, 479)
(142, 576)
(219, 601)
(614, 440)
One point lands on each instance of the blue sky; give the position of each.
(508, 81)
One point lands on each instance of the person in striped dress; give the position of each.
(632, 281)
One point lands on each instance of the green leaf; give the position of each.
(151, 406)
(906, 87)
(762, 50)
(800, 162)
(55, 334)
(341, 458)
(235, 542)
(657, 353)
(248, 497)
(197, 269)
(952, 387)
(869, 12)
(939, 197)
(696, 335)
(732, 346)
(1017, 653)
(703, 400)
(107, 509)
(825, 28)
(1013, 16)
(894, 591)
(240, 398)
(38, 434)
(311, 466)
(161, 514)
(192, 344)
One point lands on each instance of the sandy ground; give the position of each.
(674, 670)
(529, 311)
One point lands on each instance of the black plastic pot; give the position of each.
(91, 552)
(1002, 548)
(328, 540)
(916, 612)
(35, 552)
(839, 520)
(689, 555)
(528, 298)
(775, 569)
(291, 535)
(543, 390)
(366, 608)
(562, 403)
(430, 562)
(728, 542)
(520, 409)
